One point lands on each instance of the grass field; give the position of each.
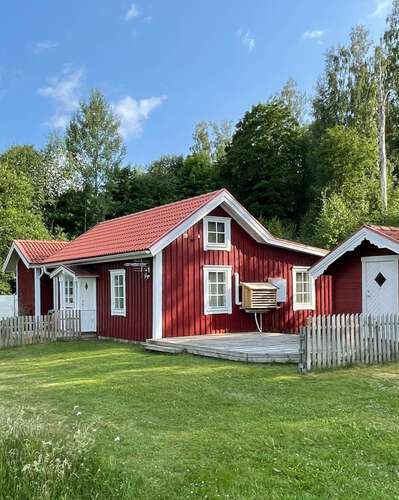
(189, 427)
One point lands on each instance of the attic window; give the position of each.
(217, 233)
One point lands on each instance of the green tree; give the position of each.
(132, 189)
(296, 100)
(94, 148)
(211, 140)
(59, 178)
(387, 63)
(264, 163)
(28, 161)
(348, 164)
(197, 175)
(18, 215)
(346, 92)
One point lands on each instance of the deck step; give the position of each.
(149, 346)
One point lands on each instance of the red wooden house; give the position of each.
(178, 269)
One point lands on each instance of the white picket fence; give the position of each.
(22, 330)
(346, 339)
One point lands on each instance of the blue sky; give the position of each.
(164, 65)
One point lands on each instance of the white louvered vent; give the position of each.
(258, 296)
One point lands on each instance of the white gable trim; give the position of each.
(350, 244)
(242, 217)
(62, 269)
(13, 249)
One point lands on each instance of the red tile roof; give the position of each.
(36, 251)
(390, 232)
(131, 233)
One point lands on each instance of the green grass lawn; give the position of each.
(193, 427)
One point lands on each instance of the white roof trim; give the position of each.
(242, 217)
(102, 258)
(14, 248)
(350, 244)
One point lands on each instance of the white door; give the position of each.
(380, 285)
(87, 289)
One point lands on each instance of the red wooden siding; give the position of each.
(137, 324)
(26, 290)
(346, 274)
(183, 293)
(46, 293)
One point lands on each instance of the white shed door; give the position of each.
(87, 307)
(380, 285)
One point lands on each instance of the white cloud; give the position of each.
(381, 9)
(39, 47)
(63, 89)
(132, 113)
(247, 40)
(313, 34)
(132, 12)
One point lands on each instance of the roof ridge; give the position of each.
(218, 191)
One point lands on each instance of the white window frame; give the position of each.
(227, 233)
(208, 309)
(301, 306)
(118, 311)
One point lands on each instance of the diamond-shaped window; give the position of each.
(380, 279)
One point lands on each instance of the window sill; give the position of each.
(118, 313)
(303, 307)
(217, 311)
(225, 248)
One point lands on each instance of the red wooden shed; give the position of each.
(364, 271)
(174, 270)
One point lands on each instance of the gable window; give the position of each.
(69, 294)
(303, 289)
(217, 290)
(118, 292)
(217, 233)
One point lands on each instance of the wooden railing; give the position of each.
(342, 340)
(22, 330)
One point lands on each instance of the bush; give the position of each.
(43, 461)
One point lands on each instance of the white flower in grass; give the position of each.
(78, 413)
(117, 439)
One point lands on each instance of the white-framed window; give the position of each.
(303, 288)
(217, 233)
(69, 293)
(217, 290)
(118, 292)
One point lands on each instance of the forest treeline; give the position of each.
(311, 168)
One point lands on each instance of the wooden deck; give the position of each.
(247, 347)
